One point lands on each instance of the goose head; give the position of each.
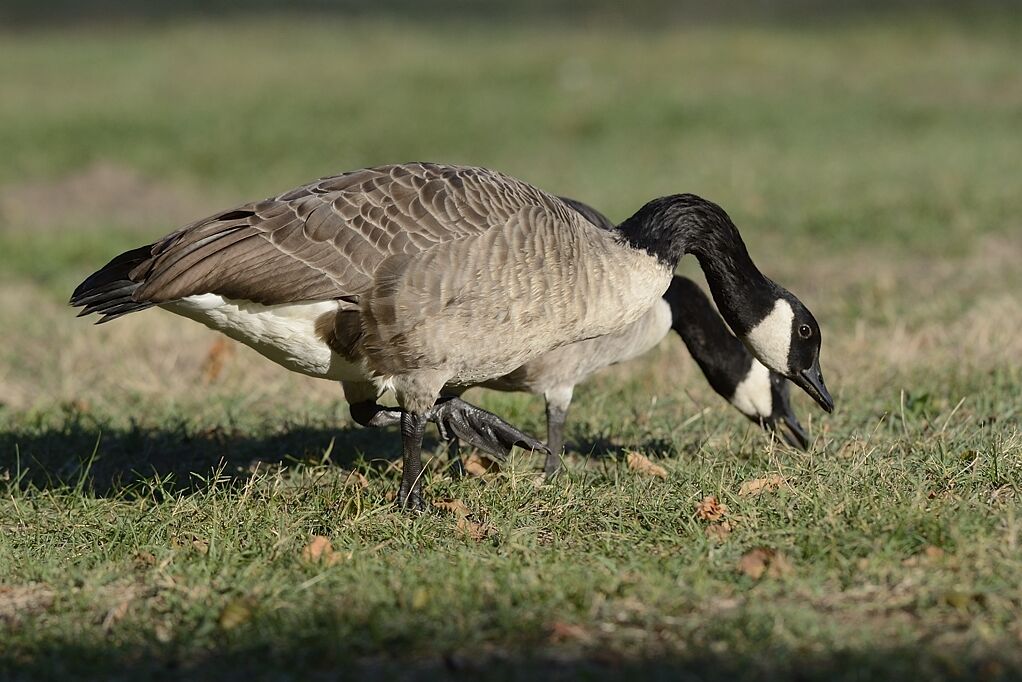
(786, 339)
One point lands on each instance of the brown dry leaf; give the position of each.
(356, 478)
(236, 612)
(561, 632)
(220, 351)
(719, 531)
(320, 551)
(929, 554)
(77, 405)
(642, 464)
(711, 509)
(763, 485)
(764, 561)
(144, 560)
(474, 529)
(476, 465)
(454, 506)
(114, 615)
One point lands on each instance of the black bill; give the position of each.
(811, 381)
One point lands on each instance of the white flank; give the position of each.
(770, 340)
(753, 397)
(284, 333)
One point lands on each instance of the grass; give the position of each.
(158, 491)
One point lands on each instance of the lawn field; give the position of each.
(162, 491)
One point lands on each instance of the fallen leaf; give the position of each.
(763, 485)
(711, 509)
(356, 478)
(477, 465)
(235, 612)
(114, 615)
(561, 632)
(929, 554)
(144, 560)
(320, 551)
(454, 506)
(764, 561)
(219, 352)
(642, 464)
(77, 405)
(474, 529)
(719, 531)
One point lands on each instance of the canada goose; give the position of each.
(756, 392)
(417, 276)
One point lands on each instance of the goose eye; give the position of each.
(804, 331)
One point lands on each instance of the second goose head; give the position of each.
(776, 327)
(752, 389)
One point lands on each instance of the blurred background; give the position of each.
(869, 152)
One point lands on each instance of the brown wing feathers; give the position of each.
(319, 241)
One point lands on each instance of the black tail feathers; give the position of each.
(108, 291)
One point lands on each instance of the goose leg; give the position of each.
(557, 402)
(409, 496)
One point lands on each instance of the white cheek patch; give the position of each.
(770, 340)
(753, 397)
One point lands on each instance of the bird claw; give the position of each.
(479, 428)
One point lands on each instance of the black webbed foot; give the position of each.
(457, 419)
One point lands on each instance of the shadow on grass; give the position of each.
(107, 460)
(600, 447)
(403, 659)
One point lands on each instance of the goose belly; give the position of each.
(285, 334)
(573, 363)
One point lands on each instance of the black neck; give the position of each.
(722, 358)
(673, 226)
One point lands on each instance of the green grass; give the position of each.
(153, 516)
